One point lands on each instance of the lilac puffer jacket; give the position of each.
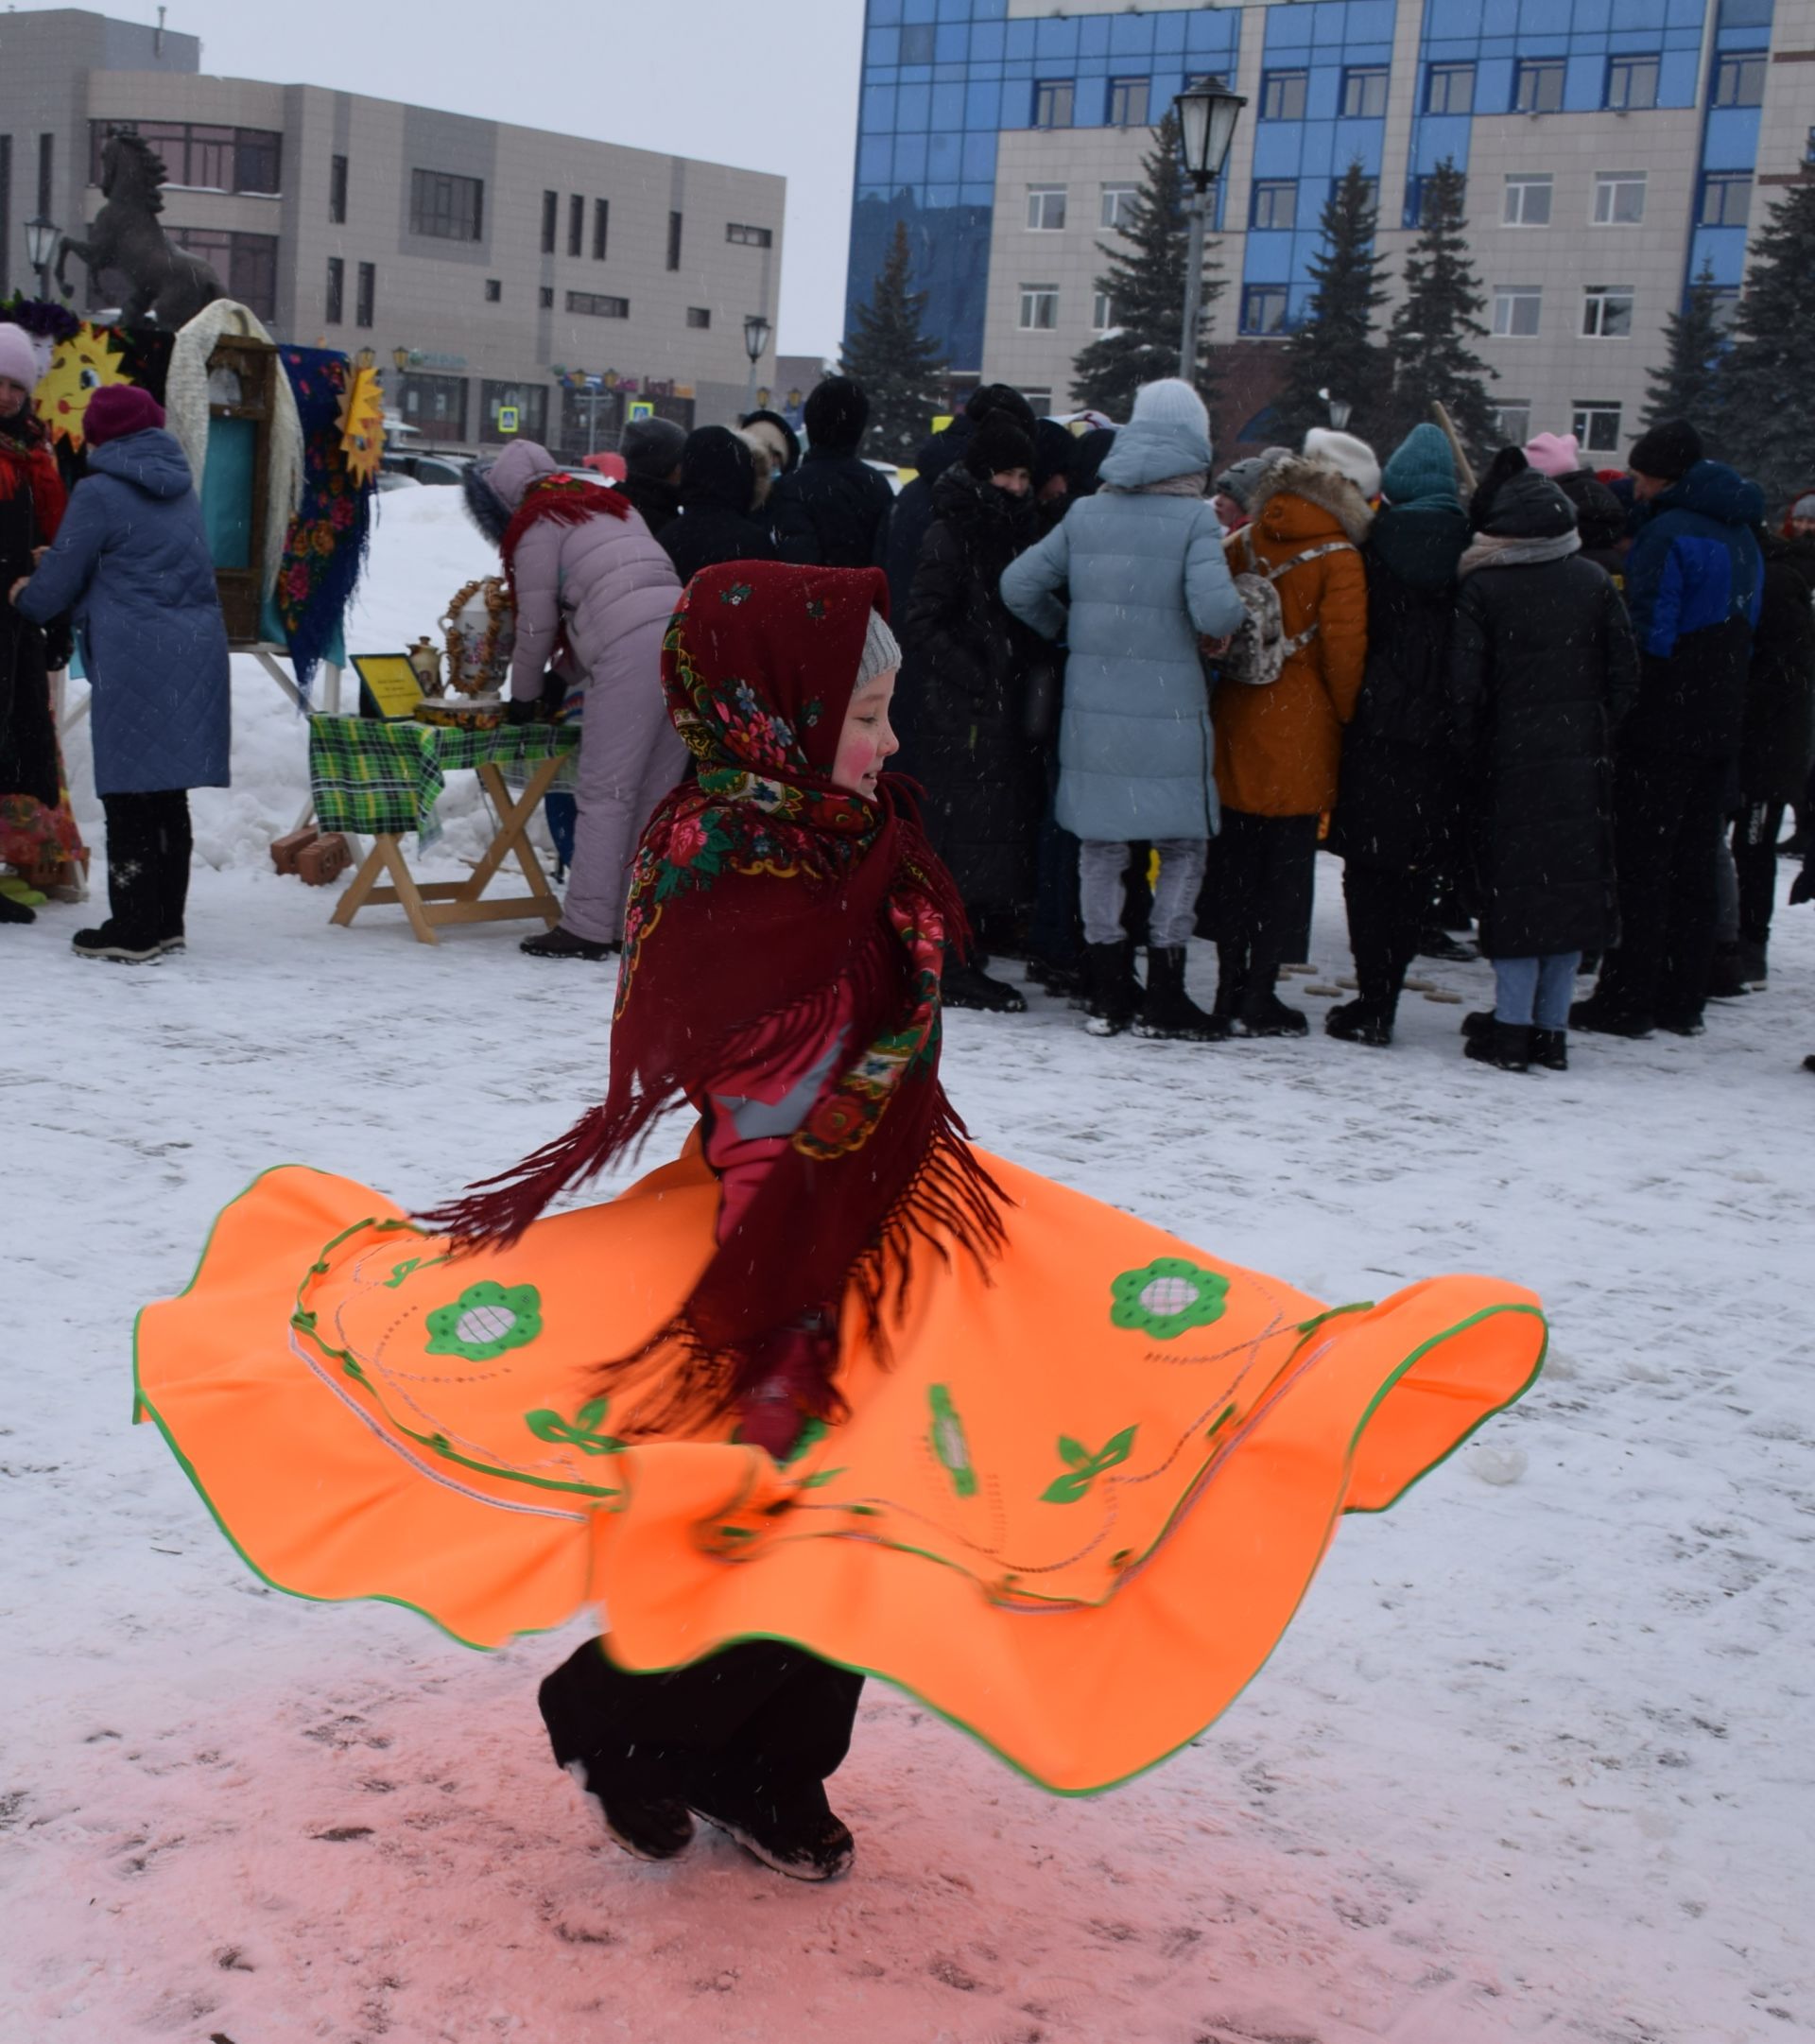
(608, 581)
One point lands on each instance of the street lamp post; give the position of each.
(1208, 115)
(1340, 409)
(41, 237)
(756, 332)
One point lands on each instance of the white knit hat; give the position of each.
(1804, 507)
(1171, 402)
(18, 357)
(881, 651)
(1347, 455)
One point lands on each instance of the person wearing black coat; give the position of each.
(652, 449)
(833, 509)
(1542, 665)
(983, 772)
(913, 510)
(1600, 519)
(719, 494)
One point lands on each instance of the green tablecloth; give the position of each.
(372, 777)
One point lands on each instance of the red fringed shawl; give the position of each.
(24, 461)
(758, 889)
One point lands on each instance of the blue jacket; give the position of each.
(1144, 576)
(132, 562)
(1695, 561)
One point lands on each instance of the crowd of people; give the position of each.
(1562, 712)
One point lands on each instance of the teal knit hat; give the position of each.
(1420, 466)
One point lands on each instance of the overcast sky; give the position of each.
(766, 84)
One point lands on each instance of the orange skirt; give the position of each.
(1073, 1514)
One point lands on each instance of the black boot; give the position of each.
(15, 912)
(1167, 1012)
(1507, 1045)
(1550, 1048)
(560, 943)
(1115, 992)
(1359, 1022)
(1263, 1014)
(1727, 979)
(969, 986)
(636, 1814)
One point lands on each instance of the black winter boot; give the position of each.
(1507, 1045)
(969, 986)
(1359, 1022)
(15, 912)
(1115, 992)
(1263, 1014)
(1167, 1012)
(1550, 1048)
(562, 943)
(629, 1801)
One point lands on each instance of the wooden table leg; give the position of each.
(362, 883)
(420, 919)
(513, 823)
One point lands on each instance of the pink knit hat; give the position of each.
(18, 357)
(1554, 454)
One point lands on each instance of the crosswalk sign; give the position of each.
(507, 418)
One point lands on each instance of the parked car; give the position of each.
(424, 468)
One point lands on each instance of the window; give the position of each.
(365, 310)
(917, 44)
(1364, 92)
(1620, 197)
(434, 406)
(202, 157)
(1739, 82)
(529, 401)
(1528, 202)
(1607, 311)
(596, 305)
(1102, 313)
(550, 220)
(1596, 427)
(1449, 89)
(674, 222)
(748, 237)
(575, 224)
(1513, 421)
(1537, 86)
(1039, 307)
(545, 295)
(1515, 309)
(1263, 308)
(337, 191)
(601, 228)
(336, 306)
(445, 207)
(1415, 191)
(1128, 102)
(1052, 100)
(1045, 207)
(246, 264)
(1276, 203)
(699, 317)
(494, 290)
(1118, 206)
(1632, 83)
(1726, 198)
(1282, 94)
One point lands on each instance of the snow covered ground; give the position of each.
(1535, 1762)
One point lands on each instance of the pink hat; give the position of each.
(117, 410)
(1554, 454)
(18, 357)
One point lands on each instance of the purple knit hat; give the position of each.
(117, 410)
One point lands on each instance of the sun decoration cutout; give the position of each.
(362, 425)
(78, 367)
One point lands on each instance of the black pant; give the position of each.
(1256, 901)
(1755, 863)
(148, 842)
(1666, 831)
(757, 1728)
(1389, 911)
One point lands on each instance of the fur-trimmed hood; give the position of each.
(1297, 498)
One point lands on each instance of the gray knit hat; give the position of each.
(881, 651)
(1238, 480)
(1804, 507)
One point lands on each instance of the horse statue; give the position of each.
(166, 284)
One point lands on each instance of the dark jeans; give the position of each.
(1666, 831)
(148, 842)
(1389, 911)
(1256, 901)
(1754, 860)
(758, 1728)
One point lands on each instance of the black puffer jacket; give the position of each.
(1395, 809)
(27, 733)
(657, 500)
(984, 777)
(831, 512)
(718, 492)
(913, 515)
(1542, 665)
(1780, 696)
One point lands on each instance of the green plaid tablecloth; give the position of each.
(373, 777)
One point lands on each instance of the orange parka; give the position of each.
(1278, 747)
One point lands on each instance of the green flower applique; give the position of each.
(1085, 1467)
(950, 1443)
(582, 1432)
(486, 1319)
(1168, 1297)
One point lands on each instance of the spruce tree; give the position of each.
(1145, 286)
(1333, 347)
(1428, 347)
(1687, 386)
(902, 371)
(1767, 393)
